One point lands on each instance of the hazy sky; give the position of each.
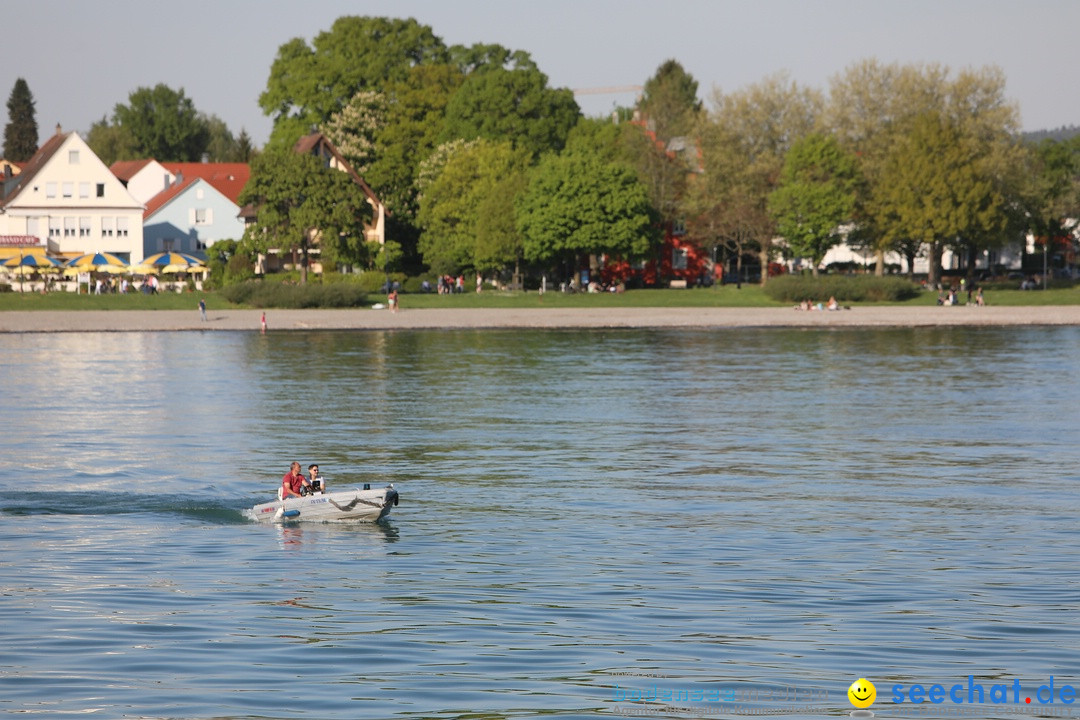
(81, 57)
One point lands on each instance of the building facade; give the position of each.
(70, 202)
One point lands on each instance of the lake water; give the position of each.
(592, 523)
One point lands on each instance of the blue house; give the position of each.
(189, 216)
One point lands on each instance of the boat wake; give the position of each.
(216, 510)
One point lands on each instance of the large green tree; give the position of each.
(815, 196)
(513, 104)
(300, 201)
(163, 124)
(935, 189)
(578, 204)
(459, 230)
(309, 84)
(20, 133)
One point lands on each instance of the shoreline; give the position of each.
(32, 321)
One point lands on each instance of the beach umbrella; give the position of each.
(35, 262)
(173, 259)
(97, 261)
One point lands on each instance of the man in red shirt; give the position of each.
(293, 482)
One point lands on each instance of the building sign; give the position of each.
(18, 240)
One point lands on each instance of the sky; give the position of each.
(80, 59)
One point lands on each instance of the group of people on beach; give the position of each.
(294, 484)
(811, 305)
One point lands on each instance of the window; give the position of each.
(101, 189)
(121, 227)
(50, 189)
(198, 193)
(68, 189)
(200, 244)
(84, 227)
(73, 157)
(54, 227)
(678, 227)
(678, 258)
(167, 245)
(69, 227)
(84, 189)
(106, 227)
(200, 216)
(32, 226)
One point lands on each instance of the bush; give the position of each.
(416, 284)
(275, 295)
(845, 288)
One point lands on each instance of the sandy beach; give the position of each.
(493, 318)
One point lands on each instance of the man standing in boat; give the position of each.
(294, 483)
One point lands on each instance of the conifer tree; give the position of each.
(20, 134)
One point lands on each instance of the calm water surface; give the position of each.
(588, 519)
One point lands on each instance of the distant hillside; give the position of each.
(1062, 133)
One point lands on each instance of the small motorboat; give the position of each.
(355, 505)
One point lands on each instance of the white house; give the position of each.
(143, 178)
(68, 200)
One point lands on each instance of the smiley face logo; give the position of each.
(862, 693)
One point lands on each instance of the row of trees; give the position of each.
(484, 167)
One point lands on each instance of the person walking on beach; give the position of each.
(202, 308)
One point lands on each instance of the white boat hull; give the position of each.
(352, 505)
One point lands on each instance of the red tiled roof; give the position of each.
(34, 165)
(124, 170)
(162, 198)
(228, 178)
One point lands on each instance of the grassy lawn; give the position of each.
(726, 296)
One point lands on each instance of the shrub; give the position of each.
(274, 295)
(845, 288)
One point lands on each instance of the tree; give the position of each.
(577, 204)
(743, 143)
(111, 142)
(300, 201)
(872, 107)
(164, 124)
(934, 189)
(512, 104)
(21, 133)
(455, 207)
(669, 101)
(354, 129)
(816, 195)
(221, 145)
(308, 85)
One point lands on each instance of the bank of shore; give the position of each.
(493, 318)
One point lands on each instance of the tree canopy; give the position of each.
(298, 201)
(577, 204)
(159, 123)
(309, 84)
(815, 196)
(455, 210)
(514, 104)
